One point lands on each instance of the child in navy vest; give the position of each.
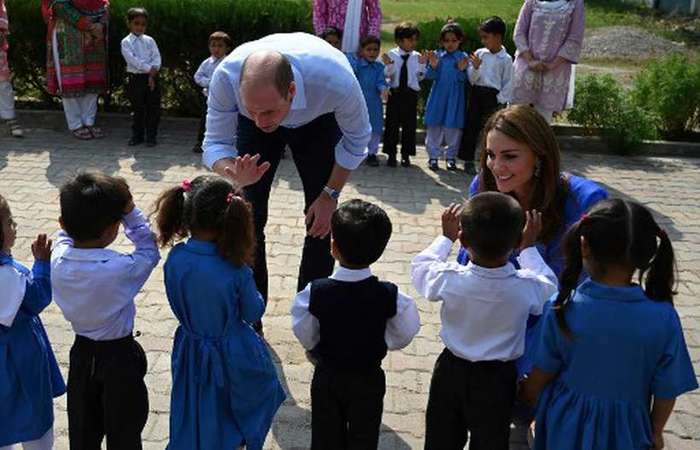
(350, 320)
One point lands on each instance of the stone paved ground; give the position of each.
(31, 170)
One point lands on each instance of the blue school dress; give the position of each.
(29, 375)
(225, 389)
(373, 83)
(626, 349)
(445, 106)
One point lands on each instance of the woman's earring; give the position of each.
(538, 168)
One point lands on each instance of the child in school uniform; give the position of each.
(444, 110)
(333, 36)
(490, 76)
(611, 358)
(143, 62)
(484, 313)
(95, 288)
(405, 67)
(219, 45)
(225, 389)
(370, 74)
(7, 94)
(29, 374)
(350, 320)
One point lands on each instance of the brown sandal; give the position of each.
(83, 134)
(96, 132)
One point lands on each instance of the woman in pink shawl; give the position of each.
(356, 18)
(76, 59)
(548, 36)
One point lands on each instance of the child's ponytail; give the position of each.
(660, 279)
(569, 277)
(169, 211)
(236, 241)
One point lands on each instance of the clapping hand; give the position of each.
(462, 64)
(41, 248)
(423, 58)
(532, 230)
(476, 61)
(386, 59)
(245, 170)
(433, 59)
(450, 221)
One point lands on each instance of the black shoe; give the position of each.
(372, 161)
(197, 148)
(405, 161)
(135, 141)
(451, 164)
(391, 162)
(151, 142)
(433, 165)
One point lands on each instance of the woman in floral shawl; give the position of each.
(76, 62)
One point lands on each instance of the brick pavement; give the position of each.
(31, 170)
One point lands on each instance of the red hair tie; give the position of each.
(662, 233)
(585, 218)
(231, 196)
(186, 185)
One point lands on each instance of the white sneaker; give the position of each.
(15, 129)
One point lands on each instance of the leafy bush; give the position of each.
(180, 27)
(670, 90)
(601, 103)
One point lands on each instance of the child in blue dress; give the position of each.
(29, 374)
(611, 358)
(370, 74)
(444, 111)
(225, 390)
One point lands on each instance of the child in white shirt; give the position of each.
(485, 308)
(220, 45)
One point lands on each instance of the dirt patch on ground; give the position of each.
(627, 43)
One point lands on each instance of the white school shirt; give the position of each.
(400, 329)
(141, 53)
(95, 287)
(325, 83)
(484, 311)
(496, 71)
(416, 70)
(205, 71)
(14, 285)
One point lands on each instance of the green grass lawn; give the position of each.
(598, 12)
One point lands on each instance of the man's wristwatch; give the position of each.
(332, 193)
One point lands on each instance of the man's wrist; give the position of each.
(332, 193)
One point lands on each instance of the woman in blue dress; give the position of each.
(612, 358)
(29, 374)
(444, 110)
(225, 389)
(370, 74)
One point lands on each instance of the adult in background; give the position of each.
(548, 36)
(356, 19)
(296, 90)
(76, 58)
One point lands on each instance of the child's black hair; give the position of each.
(133, 13)
(406, 30)
(331, 31)
(492, 224)
(4, 215)
(367, 40)
(622, 233)
(91, 203)
(222, 37)
(210, 204)
(452, 27)
(493, 25)
(361, 231)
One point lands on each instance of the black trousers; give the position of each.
(346, 408)
(313, 151)
(202, 122)
(145, 106)
(401, 110)
(483, 102)
(470, 398)
(106, 394)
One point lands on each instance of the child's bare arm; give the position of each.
(660, 412)
(532, 386)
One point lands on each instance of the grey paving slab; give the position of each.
(32, 168)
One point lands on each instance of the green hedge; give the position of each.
(181, 29)
(430, 40)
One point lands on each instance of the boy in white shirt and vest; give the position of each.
(143, 62)
(485, 308)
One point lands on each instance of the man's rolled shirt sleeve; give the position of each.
(222, 119)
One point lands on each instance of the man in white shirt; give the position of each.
(485, 308)
(142, 57)
(296, 90)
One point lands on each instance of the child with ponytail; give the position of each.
(612, 359)
(225, 389)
